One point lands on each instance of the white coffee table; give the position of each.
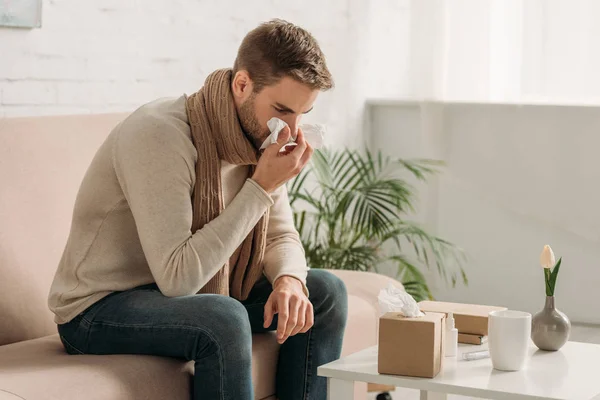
(571, 373)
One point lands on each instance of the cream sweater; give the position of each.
(132, 217)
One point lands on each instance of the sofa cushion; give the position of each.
(42, 163)
(41, 369)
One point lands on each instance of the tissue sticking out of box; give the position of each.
(393, 299)
(314, 134)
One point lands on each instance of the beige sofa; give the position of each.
(42, 161)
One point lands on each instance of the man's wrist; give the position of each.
(287, 279)
(262, 184)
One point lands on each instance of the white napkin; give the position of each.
(393, 299)
(313, 133)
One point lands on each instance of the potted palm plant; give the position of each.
(352, 211)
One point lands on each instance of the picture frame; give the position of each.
(21, 13)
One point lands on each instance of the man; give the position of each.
(182, 241)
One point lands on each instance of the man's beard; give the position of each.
(250, 125)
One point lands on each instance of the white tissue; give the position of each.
(313, 133)
(393, 299)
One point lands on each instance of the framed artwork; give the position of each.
(21, 13)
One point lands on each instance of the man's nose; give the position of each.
(293, 122)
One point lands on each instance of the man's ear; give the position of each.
(242, 85)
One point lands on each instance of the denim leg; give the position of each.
(212, 330)
(300, 355)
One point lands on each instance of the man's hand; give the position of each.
(293, 307)
(275, 168)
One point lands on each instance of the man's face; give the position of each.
(287, 100)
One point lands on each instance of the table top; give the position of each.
(571, 373)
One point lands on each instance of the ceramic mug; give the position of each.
(508, 339)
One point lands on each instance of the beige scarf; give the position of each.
(217, 135)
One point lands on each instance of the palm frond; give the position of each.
(359, 202)
(296, 184)
(421, 169)
(418, 290)
(425, 246)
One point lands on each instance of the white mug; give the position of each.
(509, 333)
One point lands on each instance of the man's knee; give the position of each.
(228, 316)
(328, 294)
(224, 322)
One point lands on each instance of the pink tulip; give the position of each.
(547, 259)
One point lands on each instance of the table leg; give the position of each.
(338, 389)
(425, 395)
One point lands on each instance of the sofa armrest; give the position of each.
(365, 285)
(363, 308)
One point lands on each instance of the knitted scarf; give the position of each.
(217, 135)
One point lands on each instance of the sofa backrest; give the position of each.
(42, 163)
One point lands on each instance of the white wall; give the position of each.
(561, 57)
(388, 48)
(521, 177)
(511, 51)
(517, 177)
(113, 55)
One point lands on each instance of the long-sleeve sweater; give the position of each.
(132, 219)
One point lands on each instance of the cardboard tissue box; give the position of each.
(411, 343)
(469, 318)
(411, 346)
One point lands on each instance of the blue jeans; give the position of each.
(216, 333)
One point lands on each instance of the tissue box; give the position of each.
(468, 318)
(411, 346)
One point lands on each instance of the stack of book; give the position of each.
(469, 338)
(471, 320)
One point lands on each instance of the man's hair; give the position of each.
(278, 48)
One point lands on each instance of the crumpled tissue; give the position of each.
(313, 133)
(392, 299)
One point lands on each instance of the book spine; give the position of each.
(466, 338)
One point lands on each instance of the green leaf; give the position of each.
(418, 290)
(421, 168)
(349, 173)
(408, 268)
(296, 184)
(300, 223)
(553, 276)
